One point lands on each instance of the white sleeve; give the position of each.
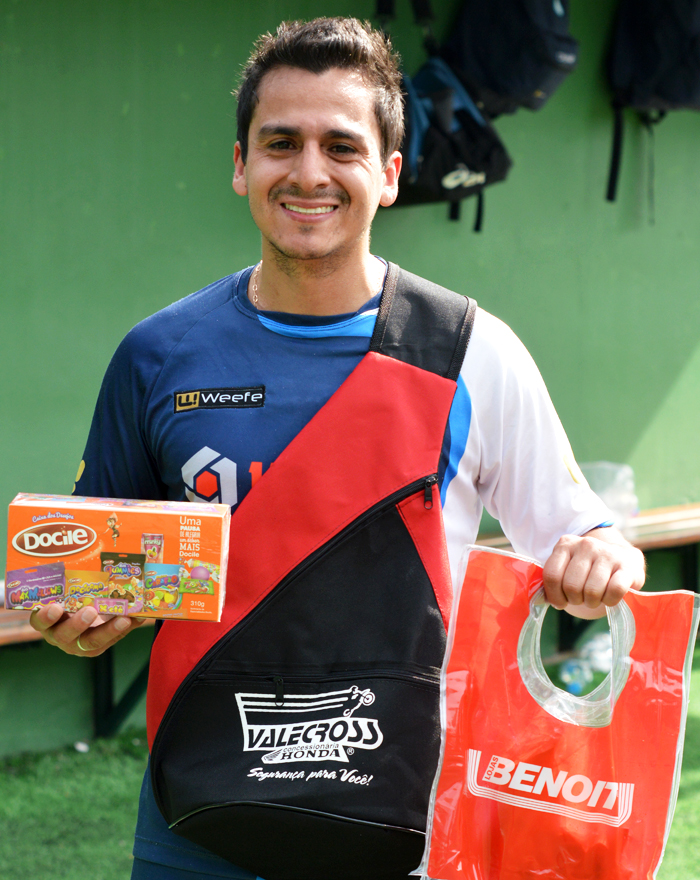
(517, 460)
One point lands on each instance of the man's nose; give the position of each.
(310, 169)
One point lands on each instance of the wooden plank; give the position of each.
(665, 527)
(15, 628)
(652, 530)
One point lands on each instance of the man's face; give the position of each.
(314, 176)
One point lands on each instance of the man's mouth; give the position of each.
(297, 209)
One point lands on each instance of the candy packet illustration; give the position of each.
(199, 577)
(90, 588)
(35, 586)
(152, 547)
(125, 578)
(162, 587)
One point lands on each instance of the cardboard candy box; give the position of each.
(163, 559)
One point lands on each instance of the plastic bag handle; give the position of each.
(595, 709)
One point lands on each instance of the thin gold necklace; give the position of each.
(256, 275)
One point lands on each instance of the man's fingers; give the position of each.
(94, 632)
(596, 584)
(576, 573)
(554, 572)
(43, 618)
(64, 633)
(620, 582)
(591, 571)
(96, 639)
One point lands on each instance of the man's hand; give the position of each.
(96, 633)
(584, 574)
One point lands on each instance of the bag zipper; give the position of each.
(279, 690)
(268, 673)
(282, 683)
(426, 483)
(428, 496)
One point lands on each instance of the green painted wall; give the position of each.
(116, 135)
(46, 696)
(116, 132)
(116, 138)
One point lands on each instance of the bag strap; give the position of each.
(648, 118)
(454, 211)
(423, 324)
(385, 11)
(422, 11)
(479, 218)
(616, 154)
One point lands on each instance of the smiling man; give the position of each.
(314, 174)
(315, 167)
(374, 414)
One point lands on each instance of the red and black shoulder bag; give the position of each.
(299, 737)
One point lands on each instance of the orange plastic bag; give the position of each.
(535, 782)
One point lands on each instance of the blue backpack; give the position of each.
(450, 149)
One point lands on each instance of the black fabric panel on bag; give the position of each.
(394, 851)
(359, 640)
(249, 756)
(423, 324)
(350, 609)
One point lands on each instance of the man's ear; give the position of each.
(240, 185)
(390, 190)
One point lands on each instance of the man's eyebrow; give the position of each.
(340, 134)
(336, 134)
(280, 130)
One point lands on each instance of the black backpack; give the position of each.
(653, 66)
(511, 53)
(450, 150)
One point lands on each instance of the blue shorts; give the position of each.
(150, 871)
(159, 854)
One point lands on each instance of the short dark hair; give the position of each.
(318, 46)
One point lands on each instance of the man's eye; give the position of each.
(281, 145)
(343, 149)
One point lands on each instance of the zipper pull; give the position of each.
(429, 483)
(279, 690)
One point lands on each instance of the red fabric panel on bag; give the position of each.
(522, 793)
(381, 430)
(428, 534)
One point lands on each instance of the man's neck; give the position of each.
(305, 287)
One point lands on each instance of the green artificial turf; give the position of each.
(682, 858)
(64, 814)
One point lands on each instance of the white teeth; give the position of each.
(301, 210)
